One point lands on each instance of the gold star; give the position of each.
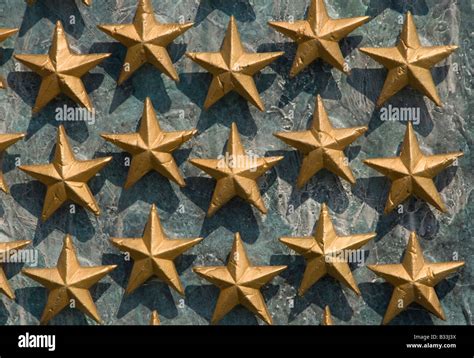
(236, 174)
(322, 146)
(233, 68)
(86, 2)
(4, 34)
(412, 172)
(239, 283)
(154, 254)
(66, 177)
(325, 253)
(7, 140)
(155, 319)
(68, 282)
(146, 40)
(61, 71)
(409, 63)
(414, 280)
(318, 37)
(151, 148)
(7, 249)
(327, 318)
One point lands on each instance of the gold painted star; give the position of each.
(318, 37)
(69, 282)
(146, 40)
(414, 280)
(409, 64)
(236, 174)
(153, 254)
(155, 319)
(61, 71)
(6, 250)
(323, 146)
(239, 283)
(66, 177)
(233, 68)
(4, 34)
(86, 2)
(325, 253)
(412, 172)
(7, 140)
(151, 148)
(327, 318)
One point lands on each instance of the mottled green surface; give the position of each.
(290, 103)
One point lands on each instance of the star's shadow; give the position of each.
(241, 9)
(53, 10)
(5, 55)
(139, 84)
(417, 7)
(3, 314)
(369, 82)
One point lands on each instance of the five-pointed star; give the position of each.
(68, 281)
(325, 253)
(322, 146)
(236, 174)
(151, 148)
(66, 177)
(232, 68)
(318, 37)
(154, 319)
(409, 63)
(327, 318)
(61, 71)
(239, 283)
(153, 254)
(7, 249)
(7, 140)
(4, 34)
(146, 40)
(414, 280)
(412, 172)
(86, 2)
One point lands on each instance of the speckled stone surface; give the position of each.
(289, 105)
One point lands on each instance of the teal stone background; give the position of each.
(289, 106)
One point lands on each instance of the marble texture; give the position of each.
(289, 105)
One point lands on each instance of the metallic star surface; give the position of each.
(4, 34)
(6, 250)
(409, 64)
(318, 37)
(154, 254)
(412, 172)
(155, 319)
(324, 253)
(66, 177)
(236, 174)
(233, 68)
(61, 71)
(239, 283)
(7, 140)
(151, 148)
(327, 318)
(323, 146)
(86, 2)
(414, 281)
(146, 40)
(68, 282)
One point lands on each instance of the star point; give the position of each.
(327, 317)
(155, 319)
(6, 140)
(4, 34)
(6, 249)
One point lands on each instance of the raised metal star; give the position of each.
(414, 280)
(61, 71)
(236, 174)
(233, 68)
(146, 40)
(6, 250)
(324, 253)
(409, 63)
(323, 146)
(7, 140)
(327, 318)
(151, 148)
(239, 283)
(412, 172)
(318, 37)
(66, 177)
(68, 282)
(155, 319)
(153, 254)
(4, 34)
